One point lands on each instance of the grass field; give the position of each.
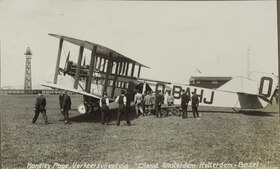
(231, 138)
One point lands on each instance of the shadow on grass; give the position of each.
(245, 112)
(251, 112)
(214, 111)
(255, 113)
(95, 117)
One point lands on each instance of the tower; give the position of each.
(27, 76)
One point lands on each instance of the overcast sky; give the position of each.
(173, 38)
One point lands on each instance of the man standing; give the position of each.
(158, 102)
(147, 103)
(60, 98)
(184, 104)
(104, 104)
(66, 106)
(40, 105)
(129, 98)
(138, 103)
(153, 101)
(122, 101)
(195, 103)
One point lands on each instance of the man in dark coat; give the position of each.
(60, 98)
(184, 104)
(40, 106)
(158, 102)
(105, 113)
(129, 98)
(195, 103)
(122, 101)
(66, 106)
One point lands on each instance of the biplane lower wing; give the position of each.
(54, 86)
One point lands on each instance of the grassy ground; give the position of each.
(217, 137)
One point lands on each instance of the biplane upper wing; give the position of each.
(100, 50)
(54, 86)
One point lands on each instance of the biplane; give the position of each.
(111, 71)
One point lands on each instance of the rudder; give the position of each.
(267, 83)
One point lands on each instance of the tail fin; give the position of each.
(267, 84)
(256, 91)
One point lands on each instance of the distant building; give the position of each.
(208, 81)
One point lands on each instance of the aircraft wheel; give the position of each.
(175, 112)
(81, 109)
(164, 112)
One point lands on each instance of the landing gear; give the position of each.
(86, 108)
(82, 109)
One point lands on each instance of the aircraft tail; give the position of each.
(267, 84)
(254, 92)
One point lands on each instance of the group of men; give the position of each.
(185, 99)
(144, 103)
(123, 109)
(40, 107)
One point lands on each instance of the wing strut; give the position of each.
(91, 67)
(115, 79)
(77, 75)
(108, 72)
(58, 61)
(132, 70)
(139, 70)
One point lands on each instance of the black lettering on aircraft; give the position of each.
(177, 90)
(160, 86)
(201, 98)
(269, 87)
(211, 100)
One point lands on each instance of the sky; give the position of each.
(173, 38)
